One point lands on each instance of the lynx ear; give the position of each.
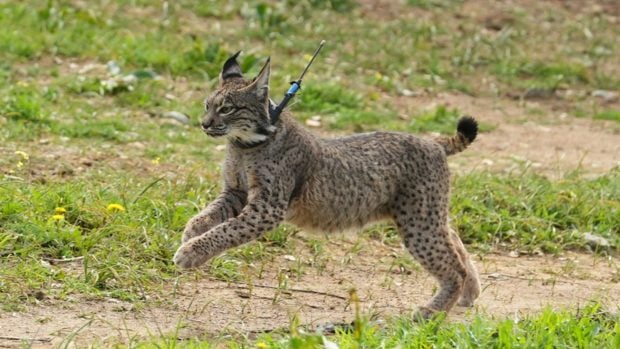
(231, 68)
(260, 85)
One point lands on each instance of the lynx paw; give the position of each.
(471, 290)
(424, 314)
(466, 302)
(188, 256)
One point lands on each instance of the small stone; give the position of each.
(289, 257)
(498, 21)
(438, 80)
(513, 254)
(327, 344)
(243, 294)
(175, 115)
(430, 106)
(606, 96)
(596, 241)
(113, 68)
(220, 147)
(314, 121)
(327, 328)
(539, 93)
(129, 79)
(138, 145)
(39, 295)
(602, 51)
(408, 93)
(88, 68)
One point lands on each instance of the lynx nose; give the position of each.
(206, 123)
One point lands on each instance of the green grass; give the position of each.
(589, 327)
(613, 115)
(441, 120)
(59, 28)
(530, 212)
(81, 139)
(553, 329)
(526, 212)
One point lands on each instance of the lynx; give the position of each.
(278, 171)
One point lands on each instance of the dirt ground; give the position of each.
(550, 141)
(541, 135)
(513, 287)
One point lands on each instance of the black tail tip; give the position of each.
(468, 127)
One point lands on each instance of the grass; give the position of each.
(613, 115)
(589, 327)
(531, 212)
(83, 91)
(526, 212)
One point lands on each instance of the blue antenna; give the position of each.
(295, 86)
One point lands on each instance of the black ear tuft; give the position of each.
(231, 68)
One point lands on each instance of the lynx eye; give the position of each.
(225, 110)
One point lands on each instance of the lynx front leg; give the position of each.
(227, 205)
(255, 219)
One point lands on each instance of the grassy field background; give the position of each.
(98, 177)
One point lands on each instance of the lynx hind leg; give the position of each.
(471, 287)
(432, 246)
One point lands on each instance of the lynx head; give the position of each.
(239, 108)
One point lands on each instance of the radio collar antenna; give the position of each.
(295, 86)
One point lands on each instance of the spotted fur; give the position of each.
(282, 172)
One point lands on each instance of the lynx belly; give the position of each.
(313, 211)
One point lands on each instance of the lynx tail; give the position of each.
(467, 130)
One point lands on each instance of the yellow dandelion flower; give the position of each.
(60, 210)
(155, 161)
(115, 208)
(58, 217)
(24, 155)
(20, 164)
(378, 76)
(262, 345)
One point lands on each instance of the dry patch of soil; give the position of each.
(550, 141)
(512, 287)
